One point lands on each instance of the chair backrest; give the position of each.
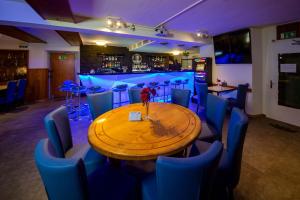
(134, 95)
(188, 178)
(100, 103)
(235, 141)
(21, 89)
(215, 113)
(241, 95)
(202, 91)
(180, 97)
(59, 132)
(11, 91)
(62, 178)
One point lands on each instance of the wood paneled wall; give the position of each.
(37, 88)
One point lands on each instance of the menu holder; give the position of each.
(135, 116)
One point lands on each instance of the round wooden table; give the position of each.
(170, 130)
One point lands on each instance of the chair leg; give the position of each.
(197, 108)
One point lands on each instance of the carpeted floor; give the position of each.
(270, 167)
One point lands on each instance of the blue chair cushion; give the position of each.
(149, 187)
(108, 182)
(208, 133)
(92, 159)
(2, 100)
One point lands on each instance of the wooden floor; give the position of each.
(270, 167)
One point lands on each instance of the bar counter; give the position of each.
(109, 81)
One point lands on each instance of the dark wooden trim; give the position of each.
(73, 38)
(59, 10)
(19, 34)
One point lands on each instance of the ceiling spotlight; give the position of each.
(118, 24)
(202, 34)
(132, 27)
(161, 31)
(109, 22)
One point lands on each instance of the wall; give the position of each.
(234, 74)
(264, 67)
(271, 49)
(38, 53)
(39, 64)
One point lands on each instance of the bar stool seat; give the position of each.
(119, 89)
(176, 83)
(95, 89)
(140, 85)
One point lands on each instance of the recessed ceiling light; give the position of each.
(175, 53)
(101, 42)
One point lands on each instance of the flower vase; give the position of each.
(147, 111)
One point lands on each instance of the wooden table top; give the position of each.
(3, 87)
(170, 130)
(220, 89)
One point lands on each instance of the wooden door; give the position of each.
(63, 68)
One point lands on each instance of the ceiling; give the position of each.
(213, 16)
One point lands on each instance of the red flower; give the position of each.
(146, 94)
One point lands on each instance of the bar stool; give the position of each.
(120, 89)
(164, 85)
(66, 87)
(140, 85)
(82, 109)
(177, 83)
(153, 85)
(95, 89)
(184, 82)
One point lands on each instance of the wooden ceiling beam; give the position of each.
(73, 38)
(19, 34)
(59, 10)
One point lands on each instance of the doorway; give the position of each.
(62, 67)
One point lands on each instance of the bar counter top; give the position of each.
(145, 72)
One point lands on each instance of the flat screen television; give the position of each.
(233, 48)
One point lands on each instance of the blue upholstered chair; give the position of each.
(240, 100)
(214, 118)
(183, 178)
(134, 95)
(59, 133)
(62, 178)
(202, 91)
(66, 178)
(9, 99)
(228, 173)
(100, 103)
(21, 90)
(180, 97)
